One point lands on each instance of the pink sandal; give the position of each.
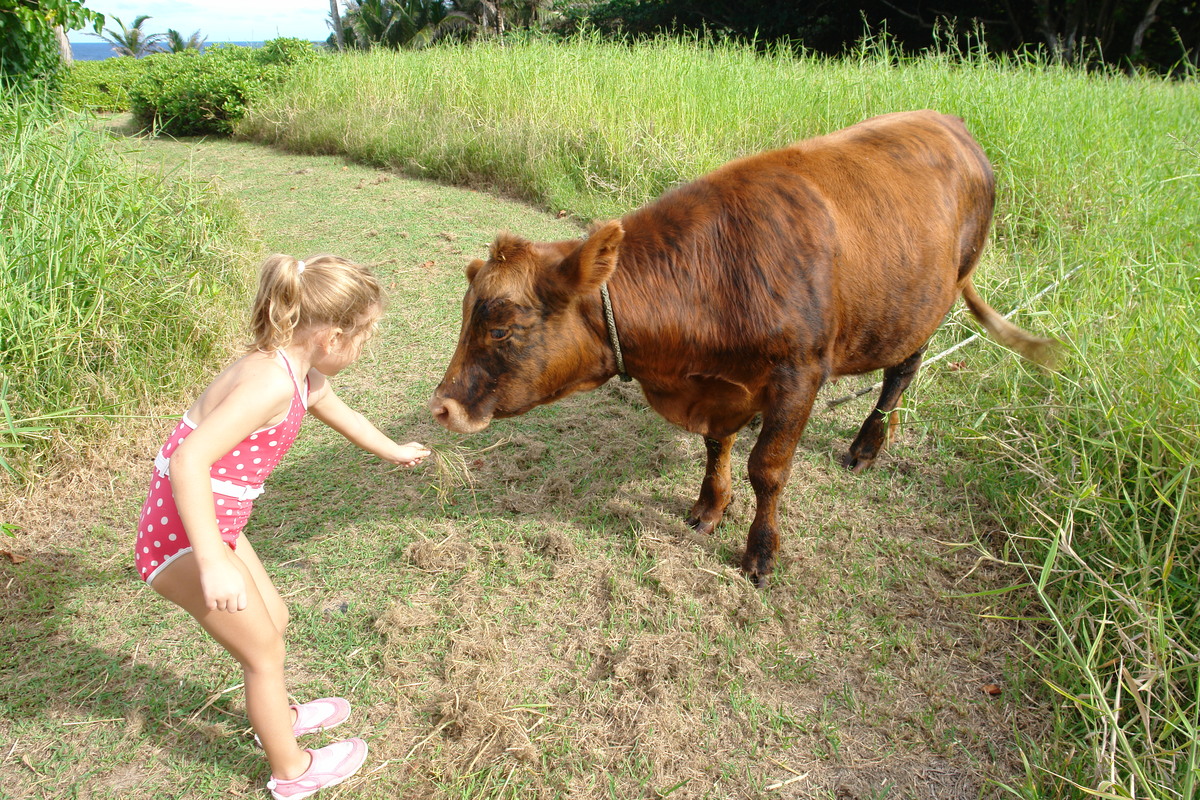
(330, 766)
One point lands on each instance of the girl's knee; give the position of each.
(267, 654)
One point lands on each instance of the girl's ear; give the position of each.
(329, 338)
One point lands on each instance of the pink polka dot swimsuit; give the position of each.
(237, 479)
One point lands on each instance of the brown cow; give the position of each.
(741, 293)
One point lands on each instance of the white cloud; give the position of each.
(220, 20)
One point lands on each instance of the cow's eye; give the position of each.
(498, 333)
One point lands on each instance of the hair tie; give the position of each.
(299, 267)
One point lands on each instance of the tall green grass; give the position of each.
(114, 284)
(1093, 472)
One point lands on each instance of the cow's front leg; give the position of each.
(769, 468)
(716, 491)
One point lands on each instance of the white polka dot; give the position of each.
(171, 538)
(274, 444)
(220, 501)
(241, 466)
(159, 503)
(145, 549)
(158, 544)
(258, 461)
(165, 520)
(254, 449)
(154, 563)
(149, 529)
(236, 453)
(255, 436)
(229, 513)
(271, 432)
(221, 471)
(157, 484)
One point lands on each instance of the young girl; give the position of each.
(309, 322)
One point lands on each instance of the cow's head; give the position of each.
(529, 333)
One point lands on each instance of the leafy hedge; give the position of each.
(101, 85)
(192, 93)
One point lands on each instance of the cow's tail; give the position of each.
(1035, 348)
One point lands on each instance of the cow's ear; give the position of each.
(473, 269)
(597, 258)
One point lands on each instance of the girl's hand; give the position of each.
(223, 586)
(411, 454)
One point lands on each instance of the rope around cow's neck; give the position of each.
(611, 324)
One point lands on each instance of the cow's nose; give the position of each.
(440, 410)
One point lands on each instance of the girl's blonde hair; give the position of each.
(323, 290)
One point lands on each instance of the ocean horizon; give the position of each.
(99, 51)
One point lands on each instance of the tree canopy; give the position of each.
(28, 43)
(1160, 34)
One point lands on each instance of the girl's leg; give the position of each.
(275, 605)
(253, 638)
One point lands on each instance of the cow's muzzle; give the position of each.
(453, 416)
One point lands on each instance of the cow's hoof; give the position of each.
(700, 526)
(757, 570)
(857, 464)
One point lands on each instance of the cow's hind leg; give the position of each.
(771, 465)
(716, 491)
(876, 431)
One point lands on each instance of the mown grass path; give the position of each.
(534, 620)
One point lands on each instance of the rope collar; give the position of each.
(611, 324)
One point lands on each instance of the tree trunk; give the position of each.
(1139, 35)
(337, 25)
(64, 46)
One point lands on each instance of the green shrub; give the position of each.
(100, 85)
(191, 94)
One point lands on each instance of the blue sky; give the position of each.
(219, 20)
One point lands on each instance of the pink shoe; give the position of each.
(320, 715)
(317, 715)
(330, 766)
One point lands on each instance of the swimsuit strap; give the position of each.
(292, 374)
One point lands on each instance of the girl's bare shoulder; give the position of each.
(258, 374)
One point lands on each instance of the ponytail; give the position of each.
(323, 290)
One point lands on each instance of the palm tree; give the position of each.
(177, 44)
(132, 41)
(399, 23)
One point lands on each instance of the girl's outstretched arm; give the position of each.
(326, 406)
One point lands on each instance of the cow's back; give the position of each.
(847, 247)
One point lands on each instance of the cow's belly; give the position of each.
(712, 406)
(883, 335)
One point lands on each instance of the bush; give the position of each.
(100, 85)
(192, 93)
